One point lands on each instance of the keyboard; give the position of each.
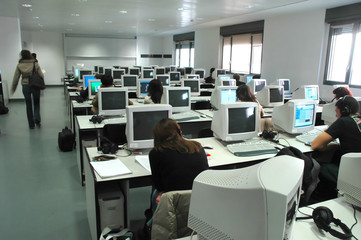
(185, 116)
(251, 148)
(308, 137)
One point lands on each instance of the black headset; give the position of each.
(96, 119)
(269, 135)
(323, 216)
(108, 146)
(344, 108)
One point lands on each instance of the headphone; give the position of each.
(96, 119)
(344, 108)
(323, 216)
(108, 146)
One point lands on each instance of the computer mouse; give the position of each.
(203, 116)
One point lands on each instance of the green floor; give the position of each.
(41, 196)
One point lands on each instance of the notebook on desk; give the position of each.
(111, 168)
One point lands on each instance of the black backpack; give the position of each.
(310, 172)
(66, 140)
(3, 108)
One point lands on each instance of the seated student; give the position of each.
(84, 93)
(347, 128)
(341, 92)
(155, 92)
(107, 81)
(174, 160)
(210, 78)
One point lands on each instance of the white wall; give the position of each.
(10, 47)
(50, 53)
(292, 48)
(153, 45)
(207, 50)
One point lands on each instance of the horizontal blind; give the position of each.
(345, 13)
(184, 37)
(252, 27)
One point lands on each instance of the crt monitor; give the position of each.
(100, 69)
(295, 116)
(229, 82)
(75, 71)
(164, 79)
(329, 113)
(159, 70)
(255, 202)
(181, 71)
(112, 101)
(93, 87)
(130, 81)
(200, 72)
(310, 92)
(192, 76)
(86, 80)
(134, 71)
(256, 85)
(174, 76)
(83, 72)
(142, 87)
(223, 94)
(108, 71)
(147, 73)
(286, 83)
(96, 69)
(220, 72)
(141, 120)
(167, 70)
(194, 84)
(125, 69)
(177, 97)
(235, 121)
(271, 96)
(188, 70)
(117, 74)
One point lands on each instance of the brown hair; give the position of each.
(25, 55)
(168, 135)
(244, 94)
(341, 92)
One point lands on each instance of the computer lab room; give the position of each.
(180, 119)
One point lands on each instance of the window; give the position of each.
(242, 53)
(184, 53)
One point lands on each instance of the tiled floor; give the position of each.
(40, 192)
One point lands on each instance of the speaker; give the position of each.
(96, 119)
(108, 146)
(323, 216)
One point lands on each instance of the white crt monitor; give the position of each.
(286, 83)
(164, 79)
(220, 72)
(147, 73)
(134, 71)
(108, 71)
(112, 101)
(194, 84)
(271, 96)
(223, 94)
(177, 97)
(310, 92)
(141, 120)
(257, 202)
(295, 116)
(86, 80)
(142, 87)
(256, 85)
(200, 72)
(174, 76)
(159, 70)
(118, 73)
(129, 81)
(235, 121)
(329, 113)
(221, 78)
(192, 76)
(83, 72)
(93, 87)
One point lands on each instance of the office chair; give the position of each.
(170, 219)
(115, 133)
(202, 105)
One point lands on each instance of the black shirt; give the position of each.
(348, 131)
(172, 170)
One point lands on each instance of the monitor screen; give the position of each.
(241, 120)
(108, 71)
(259, 85)
(177, 97)
(276, 95)
(112, 101)
(181, 70)
(95, 69)
(101, 70)
(159, 70)
(249, 78)
(311, 93)
(230, 82)
(194, 85)
(129, 81)
(93, 87)
(134, 71)
(223, 94)
(117, 73)
(188, 70)
(174, 76)
(142, 88)
(285, 83)
(304, 115)
(141, 120)
(86, 80)
(164, 79)
(220, 72)
(83, 72)
(167, 69)
(200, 72)
(271, 96)
(148, 73)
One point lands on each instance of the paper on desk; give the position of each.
(110, 168)
(144, 161)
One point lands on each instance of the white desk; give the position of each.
(307, 229)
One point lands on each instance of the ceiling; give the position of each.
(130, 18)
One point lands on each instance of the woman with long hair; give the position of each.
(244, 94)
(155, 92)
(31, 94)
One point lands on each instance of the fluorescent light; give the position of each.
(27, 5)
(108, 21)
(123, 11)
(151, 20)
(75, 15)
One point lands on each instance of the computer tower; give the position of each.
(111, 205)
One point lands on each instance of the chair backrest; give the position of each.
(115, 133)
(170, 219)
